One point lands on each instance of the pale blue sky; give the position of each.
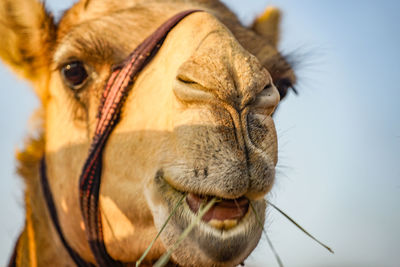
(339, 165)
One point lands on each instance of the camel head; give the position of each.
(197, 121)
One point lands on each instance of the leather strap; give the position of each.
(48, 196)
(116, 90)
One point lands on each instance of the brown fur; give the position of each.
(205, 134)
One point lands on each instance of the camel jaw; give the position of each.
(213, 241)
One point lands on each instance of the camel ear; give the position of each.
(268, 24)
(27, 35)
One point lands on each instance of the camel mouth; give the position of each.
(226, 233)
(225, 213)
(225, 216)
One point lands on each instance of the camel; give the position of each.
(196, 124)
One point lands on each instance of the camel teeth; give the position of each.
(230, 224)
(216, 224)
(225, 224)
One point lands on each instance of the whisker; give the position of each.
(283, 166)
(282, 173)
(159, 232)
(301, 228)
(278, 259)
(285, 131)
(167, 255)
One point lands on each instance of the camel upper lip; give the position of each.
(224, 209)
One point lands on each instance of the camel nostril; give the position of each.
(187, 90)
(266, 100)
(185, 79)
(268, 86)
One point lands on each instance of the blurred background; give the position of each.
(339, 164)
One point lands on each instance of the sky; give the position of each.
(338, 173)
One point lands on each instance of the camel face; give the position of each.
(197, 122)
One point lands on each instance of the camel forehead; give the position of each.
(86, 10)
(108, 31)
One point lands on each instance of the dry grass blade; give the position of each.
(159, 232)
(167, 255)
(278, 259)
(301, 228)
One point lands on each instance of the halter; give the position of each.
(115, 92)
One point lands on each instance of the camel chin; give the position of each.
(212, 243)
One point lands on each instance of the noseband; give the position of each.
(116, 90)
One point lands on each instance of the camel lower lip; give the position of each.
(225, 210)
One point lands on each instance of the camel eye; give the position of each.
(74, 74)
